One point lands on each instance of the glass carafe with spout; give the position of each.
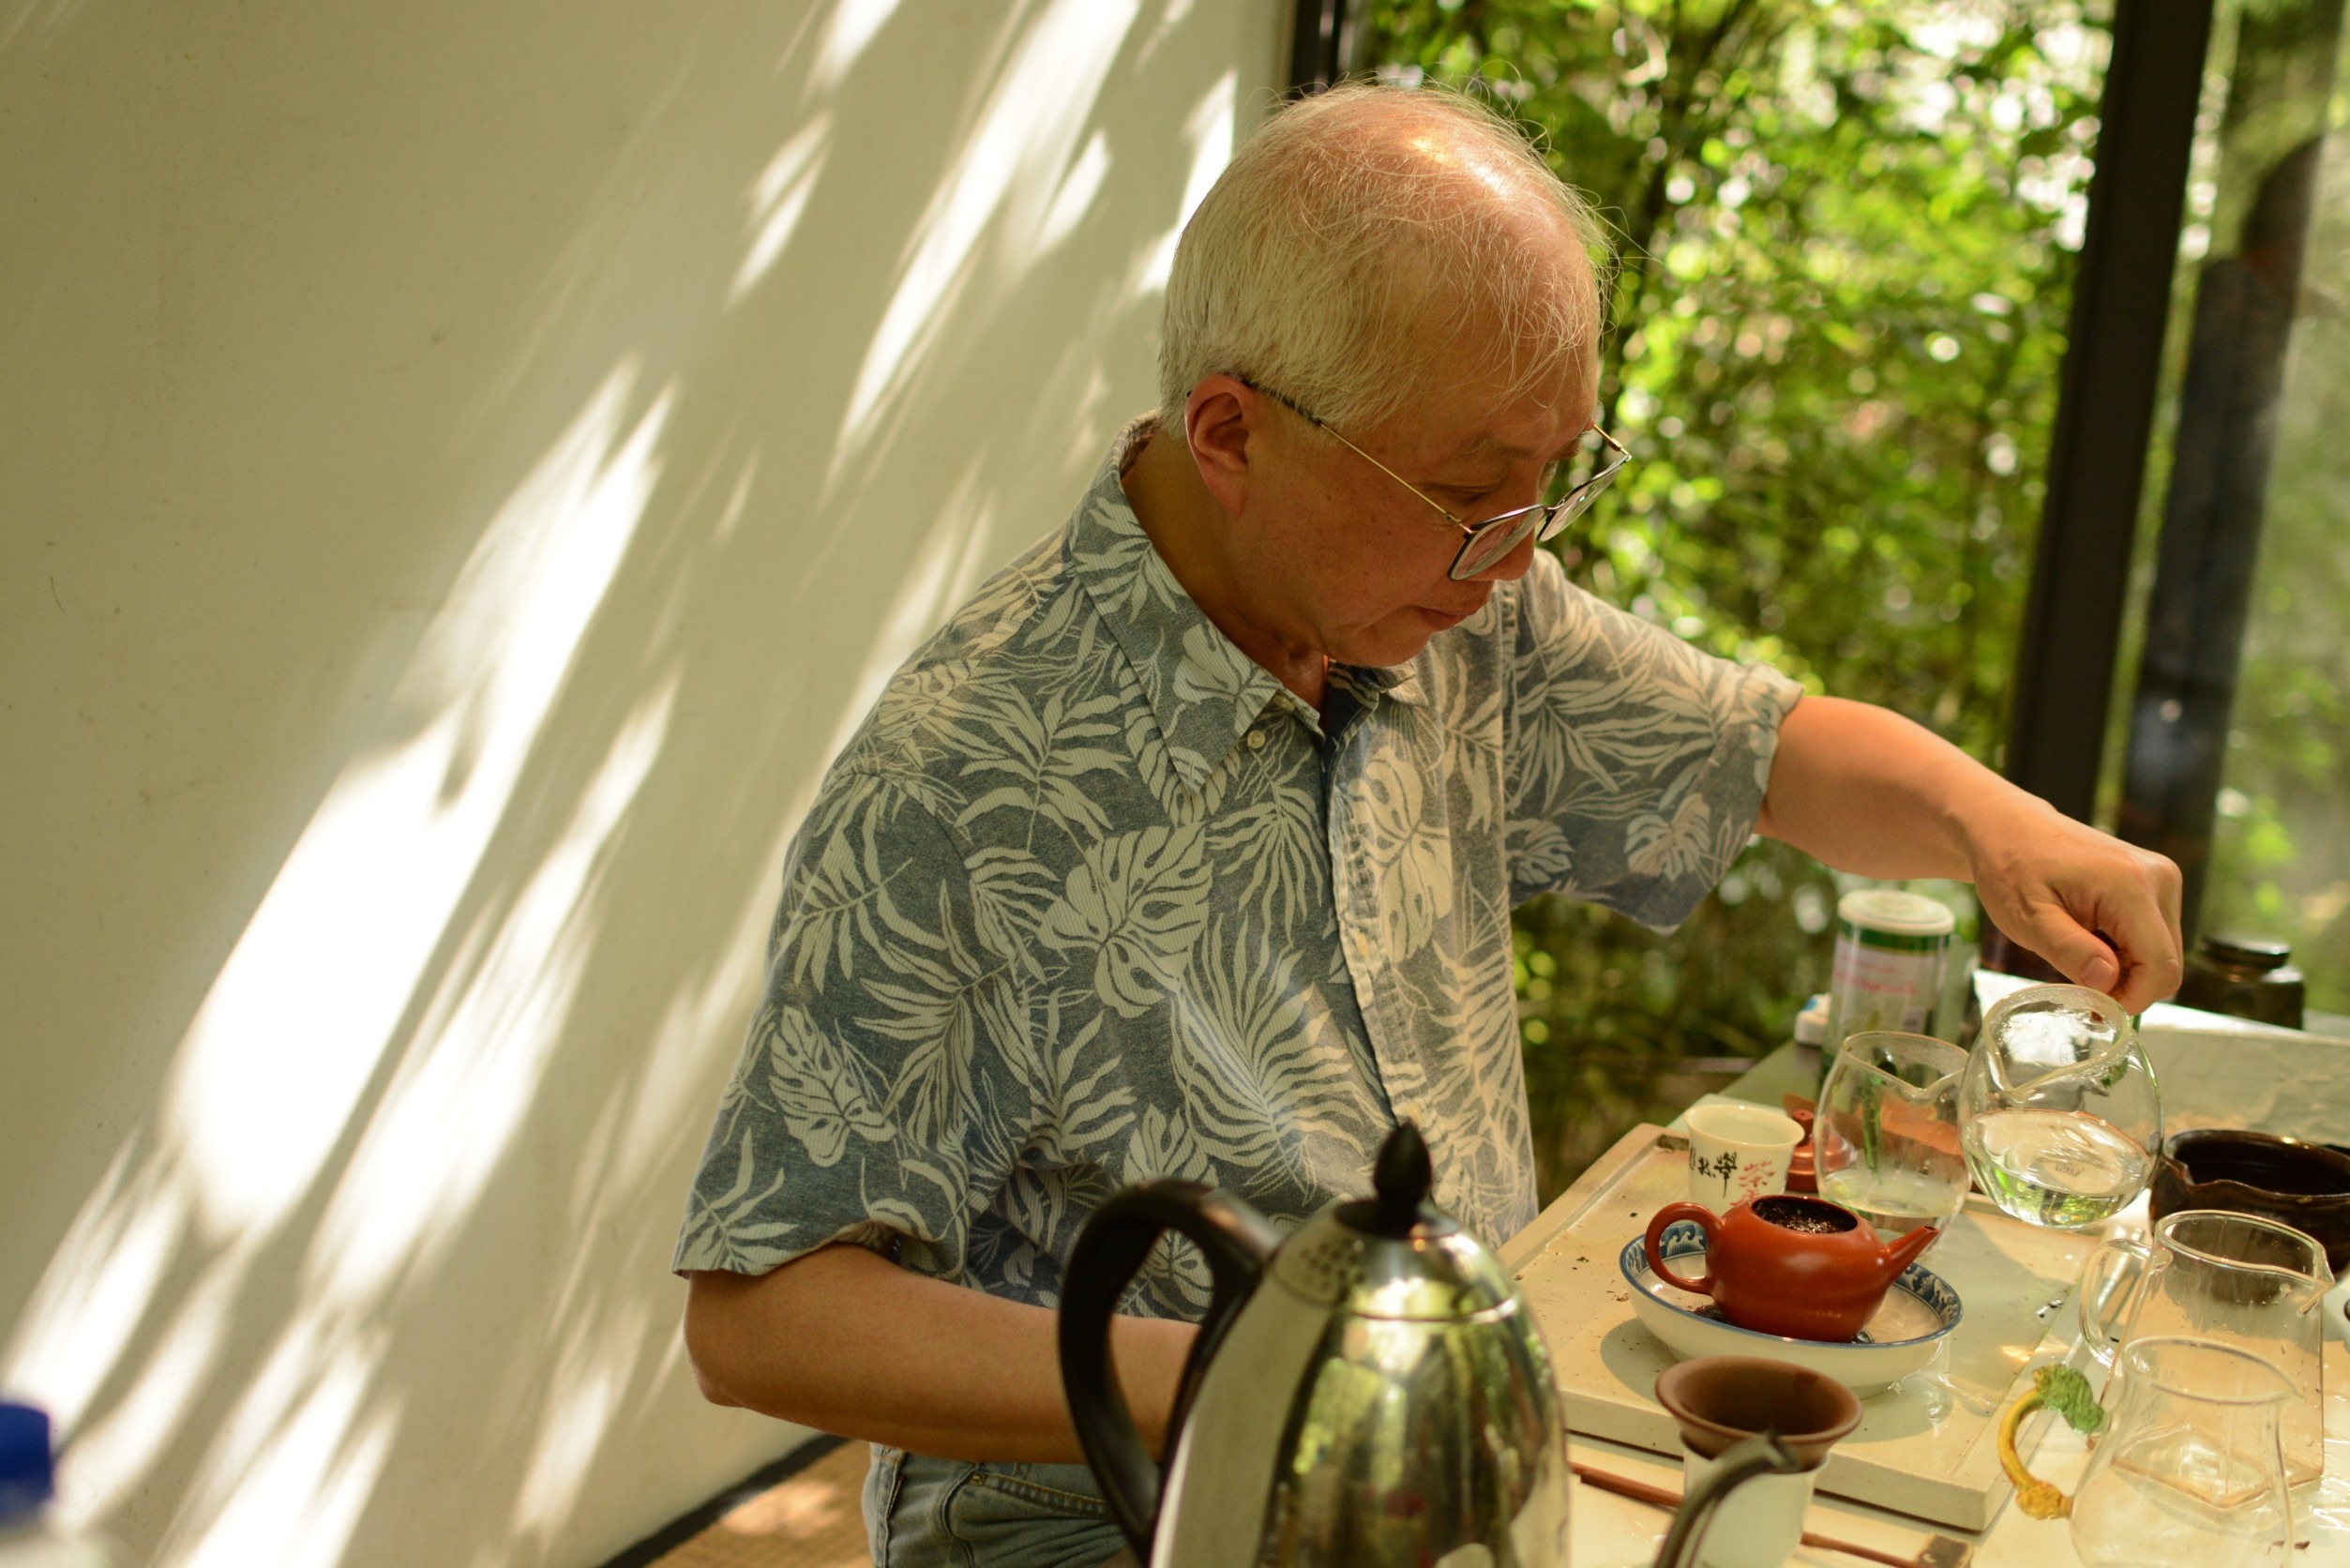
(2058, 1110)
(2190, 1473)
(1885, 1143)
(2236, 1278)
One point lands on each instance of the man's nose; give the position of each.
(1514, 565)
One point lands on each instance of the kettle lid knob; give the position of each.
(1400, 1176)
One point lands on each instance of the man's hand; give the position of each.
(1870, 793)
(2053, 885)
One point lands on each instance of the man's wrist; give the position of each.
(1990, 824)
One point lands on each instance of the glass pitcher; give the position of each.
(2058, 1110)
(2189, 1475)
(1885, 1140)
(2235, 1278)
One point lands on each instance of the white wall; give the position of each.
(462, 467)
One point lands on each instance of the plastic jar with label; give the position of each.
(1890, 947)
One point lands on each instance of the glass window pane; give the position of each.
(2237, 732)
(2280, 852)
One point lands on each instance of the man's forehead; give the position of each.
(1528, 429)
(1486, 444)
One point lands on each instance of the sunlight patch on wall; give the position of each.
(36, 16)
(730, 516)
(294, 1026)
(848, 33)
(941, 572)
(296, 1501)
(778, 197)
(464, 1087)
(88, 1305)
(1176, 13)
(702, 1020)
(112, 1453)
(1210, 129)
(1014, 154)
(583, 1393)
(297, 1026)
(1078, 186)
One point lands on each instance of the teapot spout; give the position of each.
(1905, 1252)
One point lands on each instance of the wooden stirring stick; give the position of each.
(1941, 1552)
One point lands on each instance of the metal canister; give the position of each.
(1890, 947)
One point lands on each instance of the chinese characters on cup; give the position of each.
(1737, 1152)
(1743, 1179)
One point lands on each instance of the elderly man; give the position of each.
(1188, 847)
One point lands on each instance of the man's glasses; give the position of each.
(1483, 544)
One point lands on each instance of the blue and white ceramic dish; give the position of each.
(1917, 1316)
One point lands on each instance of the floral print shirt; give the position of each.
(1092, 900)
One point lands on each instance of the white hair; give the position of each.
(1358, 230)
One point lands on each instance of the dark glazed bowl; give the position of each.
(2305, 1185)
(1717, 1400)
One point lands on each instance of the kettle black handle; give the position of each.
(1236, 1241)
(1764, 1453)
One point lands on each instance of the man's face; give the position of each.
(1350, 561)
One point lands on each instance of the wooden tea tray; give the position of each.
(1926, 1446)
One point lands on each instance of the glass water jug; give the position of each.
(2237, 1278)
(2190, 1473)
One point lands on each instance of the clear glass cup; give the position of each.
(1885, 1140)
(2058, 1111)
(2235, 1278)
(2189, 1473)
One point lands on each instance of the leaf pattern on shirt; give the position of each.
(1674, 848)
(1088, 899)
(1256, 1068)
(1410, 852)
(820, 1090)
(1138, 900)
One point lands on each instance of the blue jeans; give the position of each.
(925, 1513)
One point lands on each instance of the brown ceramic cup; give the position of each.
(2305, 1185)
(1718, 1400)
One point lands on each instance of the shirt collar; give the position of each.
(1204, 692)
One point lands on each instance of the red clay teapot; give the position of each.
(1790, 1264)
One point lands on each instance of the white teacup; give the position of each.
(1738, 1152)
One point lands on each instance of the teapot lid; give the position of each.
(1395, 1255)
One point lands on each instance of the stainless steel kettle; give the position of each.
(1370, 1392)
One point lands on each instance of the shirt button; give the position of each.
(1255, 740)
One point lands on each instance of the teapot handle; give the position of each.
(1237, 1242)
(1705, 1220)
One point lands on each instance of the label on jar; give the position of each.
(1882, 981)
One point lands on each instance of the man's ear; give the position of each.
(1223, 421)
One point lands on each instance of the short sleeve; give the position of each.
(1634, 764)
(879, 1091)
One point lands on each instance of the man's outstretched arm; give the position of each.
(1868, 792)
(846, 1341)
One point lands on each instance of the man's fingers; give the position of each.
(2146, 931)
(2169, 890)
(2075, 950)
